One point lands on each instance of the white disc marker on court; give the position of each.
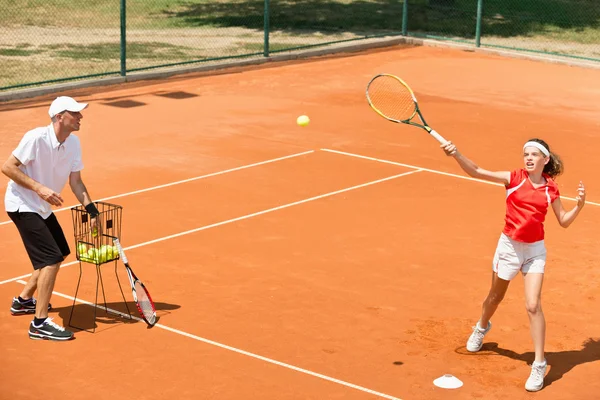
(448, 382)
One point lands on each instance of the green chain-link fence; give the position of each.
(51, 41)
(560, 27)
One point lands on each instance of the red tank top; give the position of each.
(527, 206)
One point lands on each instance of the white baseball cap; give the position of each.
(64, 103)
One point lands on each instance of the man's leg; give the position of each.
(31, 286)
(41, 245)
(45, 286)
(43, 327)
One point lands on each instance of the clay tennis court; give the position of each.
(344, 260)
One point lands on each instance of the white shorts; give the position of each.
(513, 256)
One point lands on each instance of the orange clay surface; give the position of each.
(329, 293)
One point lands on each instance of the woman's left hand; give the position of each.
(580, 195)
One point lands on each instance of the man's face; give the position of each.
(71, 120)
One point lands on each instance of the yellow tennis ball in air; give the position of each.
(303, 120)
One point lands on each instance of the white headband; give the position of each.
(540, 146)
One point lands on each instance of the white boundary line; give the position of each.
(236, 350)
(434, 171)
(247, 216)
(186, 180)
(274, 209)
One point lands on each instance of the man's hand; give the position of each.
(50, 196)
(95, 226)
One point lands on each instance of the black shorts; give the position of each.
(44, 239)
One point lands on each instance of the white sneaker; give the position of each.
(536, 378)
(476, 339)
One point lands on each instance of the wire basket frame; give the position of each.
(97, 246)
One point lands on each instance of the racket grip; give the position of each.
(438, 136)
(121, 252)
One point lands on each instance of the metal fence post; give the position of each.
(478, 25)
(405, 18)
(123, 40)
(266, 28)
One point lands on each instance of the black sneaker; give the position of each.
(26, 307)
(49, 330)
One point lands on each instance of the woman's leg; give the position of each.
(493, 299)
(533, 303)
(489, 307)
(537, 325)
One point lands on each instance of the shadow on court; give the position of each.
(560, 362)
(82, 317)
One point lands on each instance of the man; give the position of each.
(39, 168)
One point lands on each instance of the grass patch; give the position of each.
(15, 52)
(106, 51)
(49, 62)
(41, 68)
(569, 27)
(372, 16)
(330, 15)
(273, 46)
(566, 20)
(135, 51)
(579, 20)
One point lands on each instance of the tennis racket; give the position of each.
(141, 296)
(394, 100)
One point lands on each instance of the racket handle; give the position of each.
(438, 136)
(121, 252)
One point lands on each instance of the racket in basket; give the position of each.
(394, 100)
(141, 296)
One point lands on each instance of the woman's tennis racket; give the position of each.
(142, 298)
(394, 100)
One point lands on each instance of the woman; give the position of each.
(529, 193)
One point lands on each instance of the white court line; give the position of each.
(273, 209)
(185, 180)
(244, 217)
(434, 171)
(239, 351)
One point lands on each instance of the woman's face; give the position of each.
(534, 159)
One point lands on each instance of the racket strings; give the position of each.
(145, 304)
(391, 98)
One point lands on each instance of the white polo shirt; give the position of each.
(46, 161)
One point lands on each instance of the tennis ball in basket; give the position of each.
(109, 253)
(303, 120)
(93, 253)
(82, 248)
(102, 254)
(115, 252)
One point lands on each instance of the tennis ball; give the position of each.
(303, 120)
(115, 252)
(102, 256)
(109, 253)
(82, 248)
(93, 253)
